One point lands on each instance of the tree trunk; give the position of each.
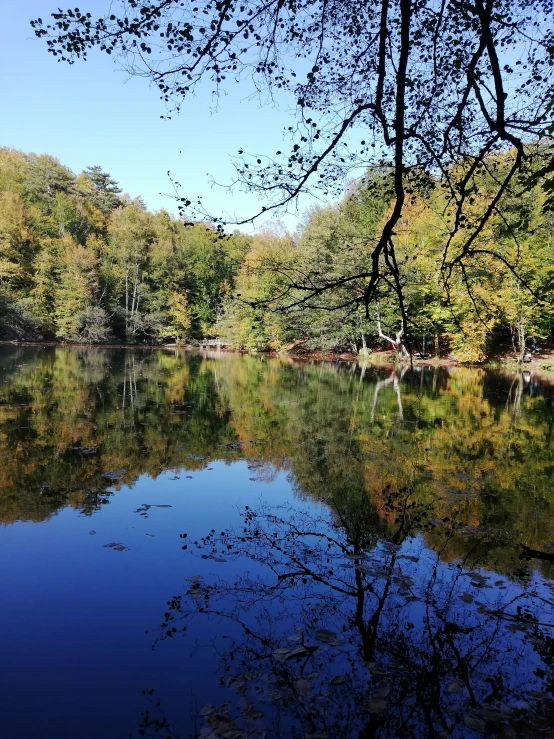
(395, 379)
(126, 302)
(397, 342)
(364, 345)
(521, 337)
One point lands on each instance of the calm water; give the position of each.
(222, 546)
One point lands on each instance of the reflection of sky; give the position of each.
(74, 649)
(75, 613)
(440, 624)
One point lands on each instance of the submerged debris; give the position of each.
(117, 546)
(145, 507)
(112, 475)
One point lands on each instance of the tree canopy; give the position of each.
(423, 91)
(81, 262)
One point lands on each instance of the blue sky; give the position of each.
(91, 113)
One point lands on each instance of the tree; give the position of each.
(247, 323)
(14, 237)
(80, 263)
(179, 319)
(46, 178)
(14, 166)
(76, 289)
(130, 234)
(422, 90)
(210, 261)
(106, 190)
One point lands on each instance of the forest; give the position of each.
(82, 262)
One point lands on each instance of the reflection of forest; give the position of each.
(474, 445)
(329, 632)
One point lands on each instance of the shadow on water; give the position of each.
(403, 589)
(335, 630)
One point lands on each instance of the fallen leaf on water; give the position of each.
(377, 704)
(272, 695)
(378, 670)
(303, 686)
(328, 637)
(253, 714)
(298, 652)
(537, 694)
(491, 713)
(472, 722)
(117, 545)
(221, 722)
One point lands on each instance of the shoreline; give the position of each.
(384, 358)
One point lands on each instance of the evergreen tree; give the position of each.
(106, 190)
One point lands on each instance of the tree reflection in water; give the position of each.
(418, 645)
(333, 631)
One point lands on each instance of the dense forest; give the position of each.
(78, 422)
(82, 262)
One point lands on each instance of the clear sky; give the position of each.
(90, 113)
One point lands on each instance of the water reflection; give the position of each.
(404, 589)
(76, 424)
(333, 630)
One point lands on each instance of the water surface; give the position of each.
(219, 545)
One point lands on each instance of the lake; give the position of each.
(218, 545)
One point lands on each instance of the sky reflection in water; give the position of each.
(304, 550)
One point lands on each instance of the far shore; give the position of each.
(542, 362)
